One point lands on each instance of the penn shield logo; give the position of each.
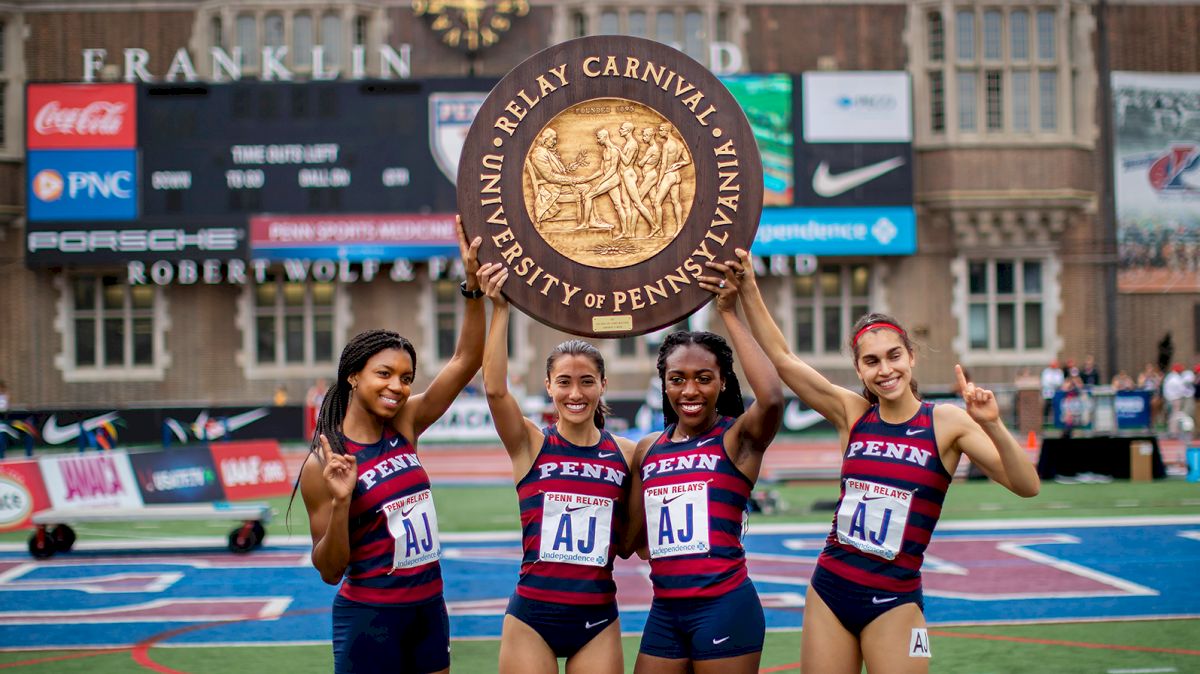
(450, 117)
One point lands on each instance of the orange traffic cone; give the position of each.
(1031, 443)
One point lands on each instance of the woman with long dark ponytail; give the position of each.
(692, 491)
(370, 509)
(572, 480)
(864, 602)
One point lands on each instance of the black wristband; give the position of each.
(470, 294)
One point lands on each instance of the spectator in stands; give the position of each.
(1088, 374)
(1123, 382)
(281, 396)
(1176, 390)
(1052, 380)
(370, 510)
(1150, 380)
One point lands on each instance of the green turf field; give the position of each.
(1086, 648)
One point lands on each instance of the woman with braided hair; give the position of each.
(692, 492)
(864, 602)
(370, 510)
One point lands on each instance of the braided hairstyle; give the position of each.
(863, 326)
(578, 347)
(337, 398)
(729, 402)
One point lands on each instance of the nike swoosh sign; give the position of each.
(717, 642)
(54, 434)
(704, 442)
(828, 185)
(589, 624)
(877, 600)
(605, 455)
(914, 431)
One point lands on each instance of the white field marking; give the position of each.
(1058, 505)
(1190, 502)
(1144, 670)
(145, 525)
(16, 572)
(1127, 503)
(991, 507)
(89, 584)
(272, 609)
(1194, 535)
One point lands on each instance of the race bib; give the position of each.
(872, 517)
(677, 519)
(576, 529)
(412, 522)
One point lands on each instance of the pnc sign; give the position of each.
(604, 172)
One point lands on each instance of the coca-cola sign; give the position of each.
(74, 116)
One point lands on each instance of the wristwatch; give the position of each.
(470, 294)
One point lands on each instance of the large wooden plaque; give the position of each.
(604, 172)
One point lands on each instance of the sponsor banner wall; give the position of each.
(1156, 122)
(22, 493)
(856, 174)
(73, 185)
(353, 237)
(173, 425)
(251, 469)
(90, 480)
(146, 241)
(81, 116)
(837, 231)
(856, 107)
(177, 475)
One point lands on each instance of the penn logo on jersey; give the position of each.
(580, 469)
(890, 450)
(873, 490)
(388, 466)
(677, 463)
(406, 504)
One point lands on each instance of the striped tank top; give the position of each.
(571, 500)
(696, 502)
(893, 486)
(394, 545)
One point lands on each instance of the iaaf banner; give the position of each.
(353, 237)
(21, 494)
(81, 116)
(92, 480)
(251, 469)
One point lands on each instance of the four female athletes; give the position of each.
(678, 498)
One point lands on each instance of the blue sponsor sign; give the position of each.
(1133, 409)
(179, 475)
(837, 231)
(92, 185)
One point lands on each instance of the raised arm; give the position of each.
(634, 540)
(981, 435)
(327, 485)
(424, 409)
(514, 429)
(838, 405)
(758, 425)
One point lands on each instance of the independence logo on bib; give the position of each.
(677, 519)
(412, 521)
(576, 529)
(872, 517)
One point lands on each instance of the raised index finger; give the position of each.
(962, 378)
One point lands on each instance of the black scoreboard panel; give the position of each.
(280, 147)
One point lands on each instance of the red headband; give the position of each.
(874, 326)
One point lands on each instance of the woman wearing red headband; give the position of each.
(864, 601)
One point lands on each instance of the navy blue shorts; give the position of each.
(413, 638)
(565, 628)
(857, 605)
(706, 629)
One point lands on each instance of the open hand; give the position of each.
(491, 278)
(725, 286)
